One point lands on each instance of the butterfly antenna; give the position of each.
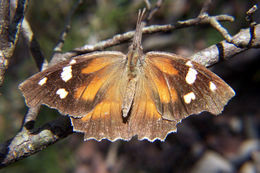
(139, 27)
(135, 49)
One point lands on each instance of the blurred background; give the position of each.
(204, 143)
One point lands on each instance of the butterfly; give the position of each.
(111, 95)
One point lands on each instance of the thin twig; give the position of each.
(30, 117)
(205, 7)
(14, 28)
(59, 45)
(120, 38)
(250, 13)
(216, 24)
(152, 10)
(252, 23)
(34, 46)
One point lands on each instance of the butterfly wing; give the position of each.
(76, 86)
(169, 89)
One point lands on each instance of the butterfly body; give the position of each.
(111, 95)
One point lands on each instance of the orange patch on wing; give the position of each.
(94, 114)
(164, 64)
(147, 104)
(90, 92)
(174, 95)
(106, 109)
(95, 65)
(97, 111)
(151, 110)
(101, 111)
(162, 88)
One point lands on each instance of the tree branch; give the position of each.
(9, 32)
(121, 38)
(225, 50)
(26, 143)
(4, 40)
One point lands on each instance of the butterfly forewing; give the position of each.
(76, 86)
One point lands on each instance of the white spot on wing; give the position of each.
(43, 81)
(189, 64)
(189, 97)
(73, 61)
(66, 73)
(191, 76)
(212, 86)
(62, 93)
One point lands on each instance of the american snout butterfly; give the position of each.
(110, 95)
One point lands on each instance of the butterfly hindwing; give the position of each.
(105, 120)
(76, 86)
(145, 119)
